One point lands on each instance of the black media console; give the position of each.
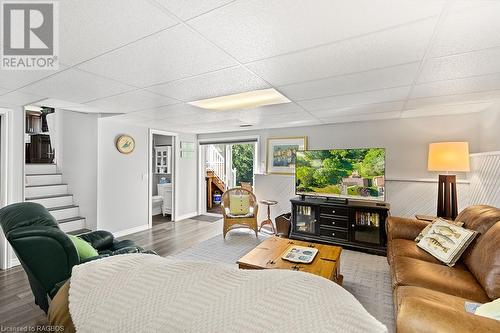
(348, 223)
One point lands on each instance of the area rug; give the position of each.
(366, 276)
(206, 218)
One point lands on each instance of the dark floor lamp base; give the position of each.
(447, 197)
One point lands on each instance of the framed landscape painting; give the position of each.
(280, 157)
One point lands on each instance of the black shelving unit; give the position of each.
(351, 224)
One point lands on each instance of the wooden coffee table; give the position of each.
(267, 255)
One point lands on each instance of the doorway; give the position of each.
(225, 165)
(161, 177)
(6, 254)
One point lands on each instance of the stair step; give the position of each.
(31, 186)
(79, 232)
(50, 201)
(43, 179)
(40, 168)
(72, 224)
(71, 219)
(61, 207)
(44, 190)
(64, 212)
(43, 174)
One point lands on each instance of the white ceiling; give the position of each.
(338, 61)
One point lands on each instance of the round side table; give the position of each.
(269, 203)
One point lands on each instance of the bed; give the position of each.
(147, 293)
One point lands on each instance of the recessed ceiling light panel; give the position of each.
(246, 100)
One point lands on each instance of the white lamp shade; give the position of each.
(448, 156)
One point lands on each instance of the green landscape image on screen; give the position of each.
(341, 172)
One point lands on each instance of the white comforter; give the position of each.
(148, 293)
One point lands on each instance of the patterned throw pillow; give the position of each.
(426, 229)
(446, 242)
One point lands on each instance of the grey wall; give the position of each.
(123, 195)
(406, 140)
(410, 187)
(122, 179)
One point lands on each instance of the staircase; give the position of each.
(44, 185)
(216, 181)
(219, 173)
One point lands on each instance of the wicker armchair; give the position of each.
(248, 220)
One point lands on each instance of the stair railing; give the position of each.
(216, 162)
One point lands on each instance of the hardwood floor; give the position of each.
(17, 306)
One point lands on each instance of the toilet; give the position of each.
(157, 205)
(162, 203)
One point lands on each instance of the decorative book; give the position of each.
(299, 254)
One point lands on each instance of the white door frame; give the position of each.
(5, 255)
(202, 208)
(175, 162)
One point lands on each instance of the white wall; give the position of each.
(186, 185)
(78, 156)
(412, 190)
(15, 167)
(490, 129)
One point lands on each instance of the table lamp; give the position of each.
(448, 157)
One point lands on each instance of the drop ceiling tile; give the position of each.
(388, 48)
(170, 111)
(269, 119)
(224, 82)
(132, 101)
(361, 117)
(92, 27)
(467, 29)
(70, 106)
(202, 117)
(360, 109)
(457, 86)
(378, 96)
(402, 75)
(276, 109)
(438, 110)
(180, 116)
(17, 98)
(252, 30)
(462, 65)
(13, 79)
(76, 86)
(453, 99)
(172, 54)
(189, 9)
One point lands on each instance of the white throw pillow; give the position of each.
(426, 229)
(446, 242)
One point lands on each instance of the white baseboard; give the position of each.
(131, 230)
(186, 216)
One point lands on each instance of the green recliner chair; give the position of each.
(46, 253)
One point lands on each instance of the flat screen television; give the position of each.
(344, 173)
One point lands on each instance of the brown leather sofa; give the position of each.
(428, 295)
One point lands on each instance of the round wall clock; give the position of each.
(125, 144)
